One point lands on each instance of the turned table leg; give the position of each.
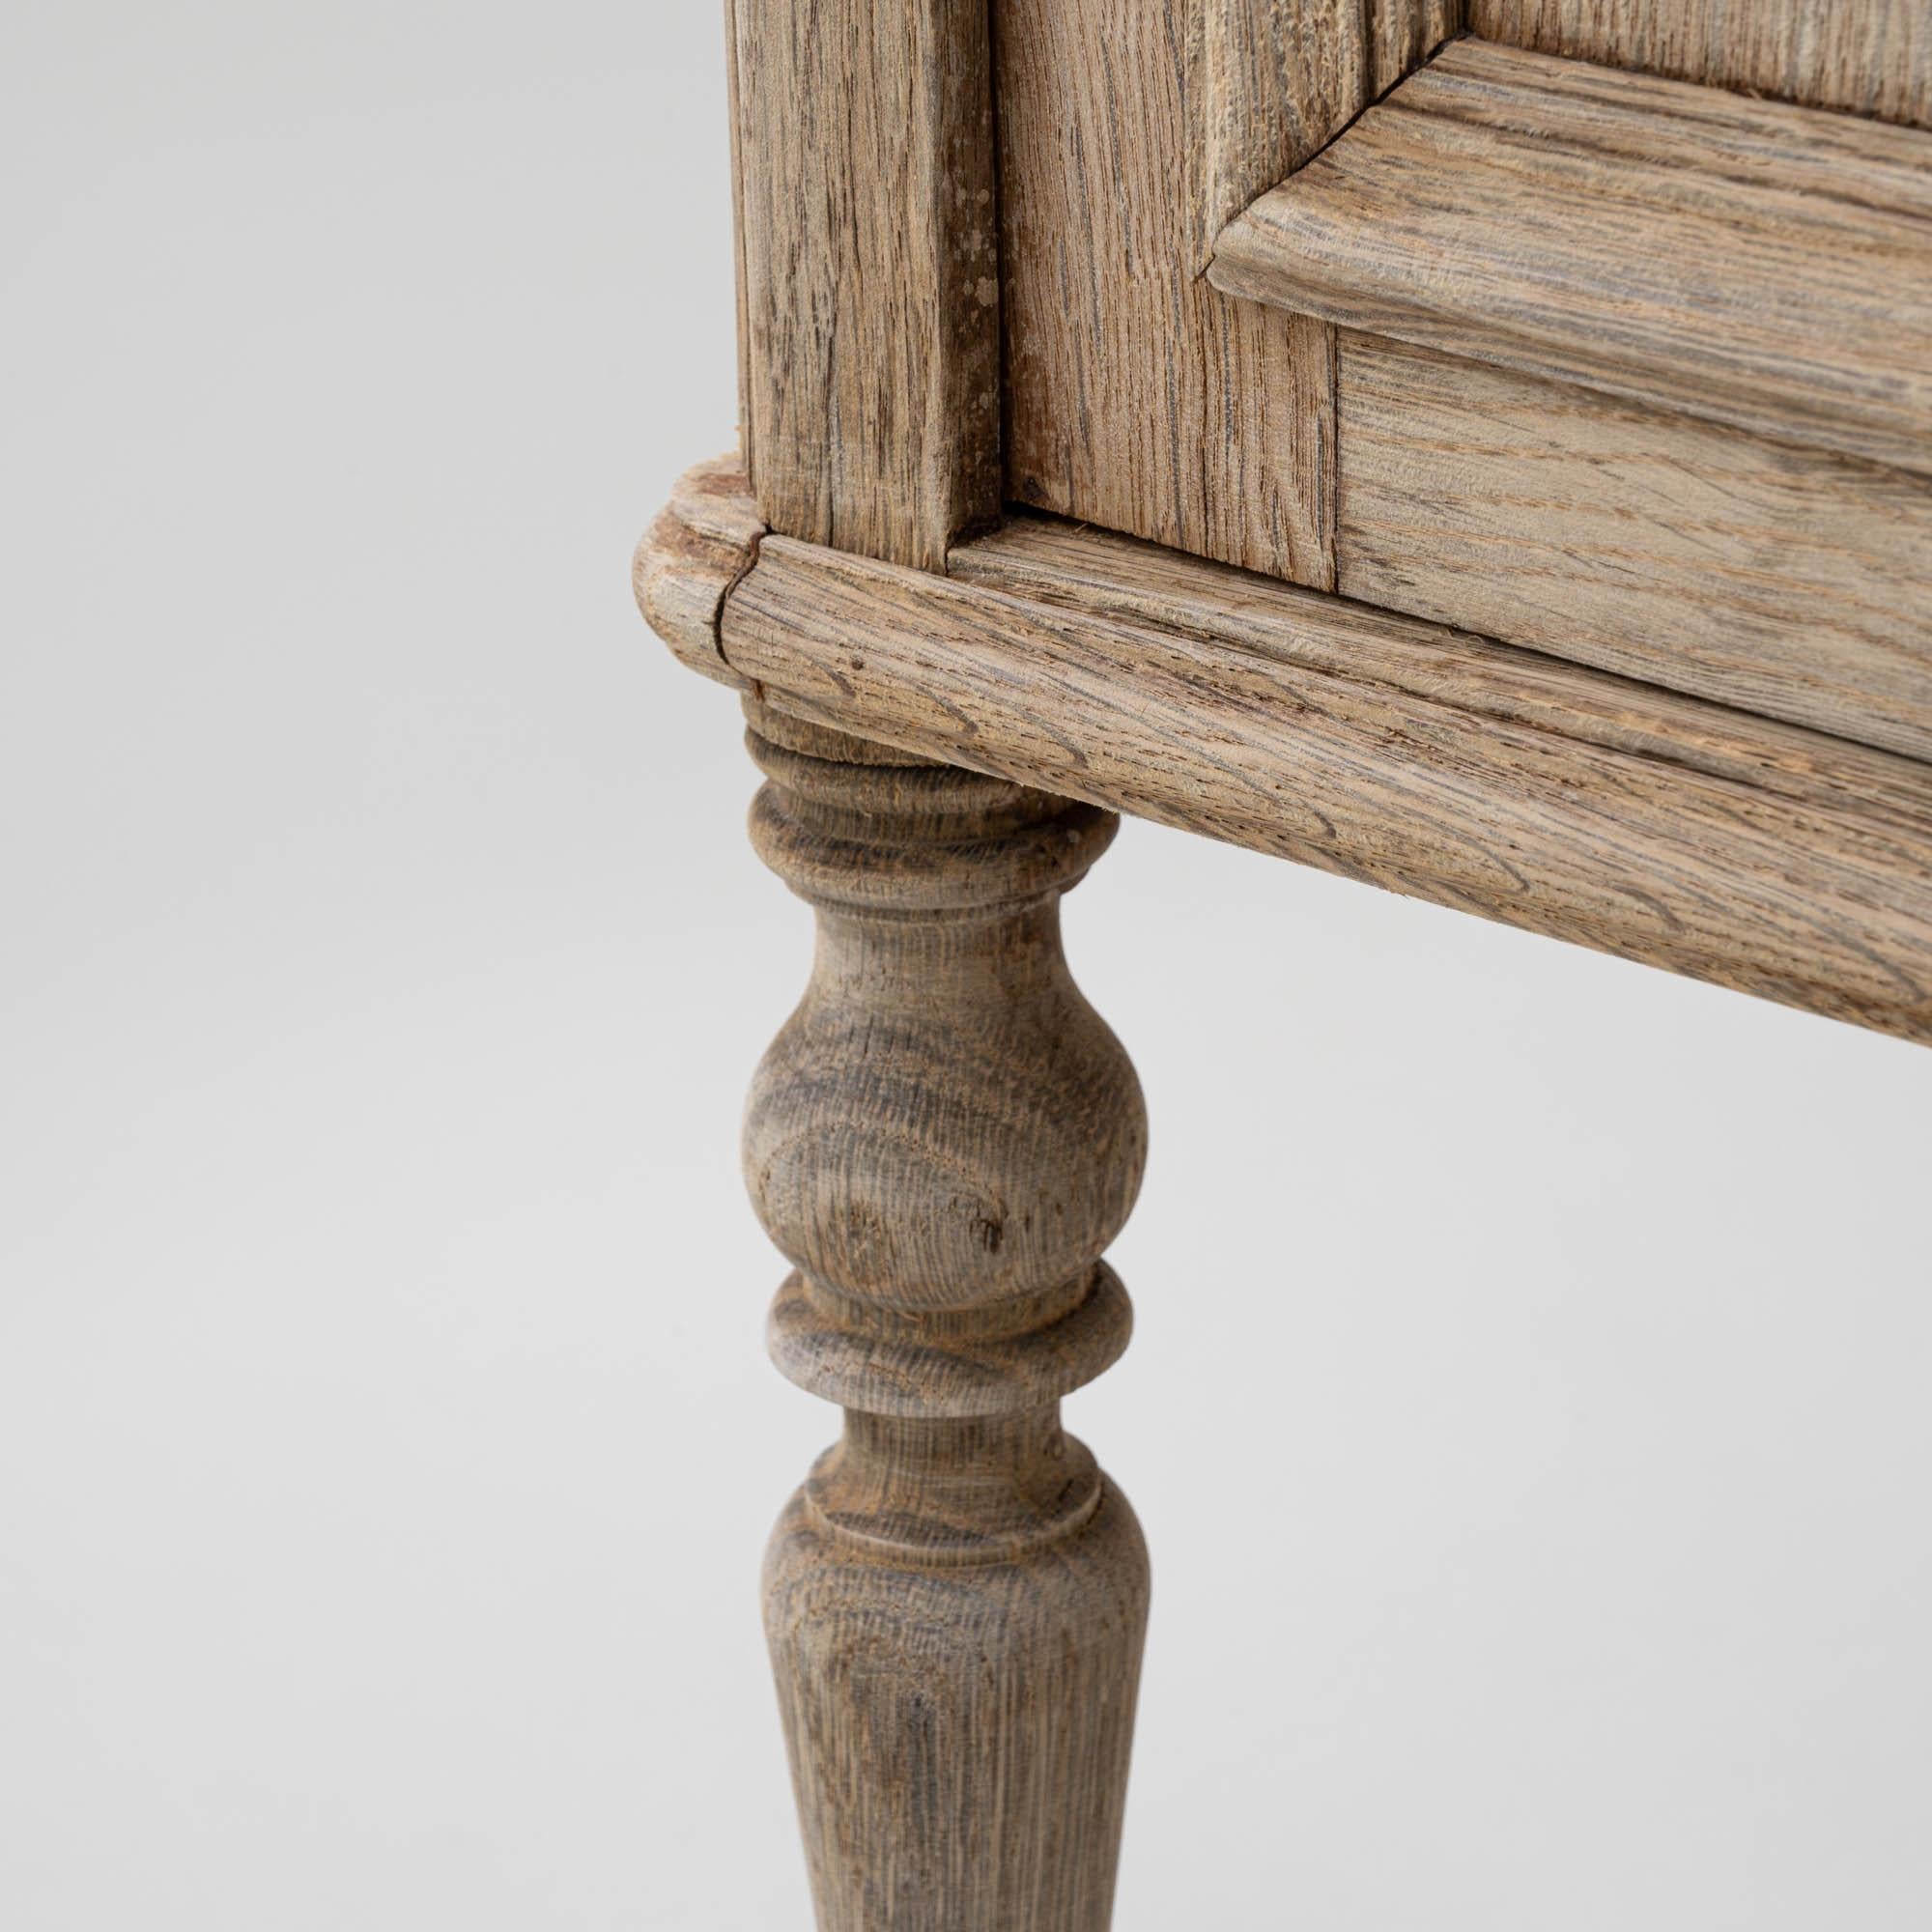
(943, 1140)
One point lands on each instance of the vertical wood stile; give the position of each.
(870, 278)
(943, 1140)
(1870, 57)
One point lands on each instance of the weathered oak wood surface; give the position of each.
(1749, 262)
(1136, 395)
(1316, 298)
(943, 1140)
(869, 270)
(1871, 57)
(1733, 848)
(1781, 579)
(1277, 83)
(699, 545)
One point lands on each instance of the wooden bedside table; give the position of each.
(1482, 447)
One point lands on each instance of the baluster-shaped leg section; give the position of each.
(943, 1140)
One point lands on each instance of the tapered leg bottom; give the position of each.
(960, 1737)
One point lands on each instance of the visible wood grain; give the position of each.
(871, 260)
(1279, 82)
(943, 1139)
(1131, 131)
(740, 283)
(1871, 56)
(1050, 563)
(1742, 851)
(1138, 397)
(1784, 580)
(702, 541)
(1752, 262)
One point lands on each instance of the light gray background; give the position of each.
(1528, 1408)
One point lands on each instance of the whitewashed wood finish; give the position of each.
(1748, 262)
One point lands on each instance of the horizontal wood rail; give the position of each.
(1758, 855)
(1749, 262)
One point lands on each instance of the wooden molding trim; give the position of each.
(869, 272)
(1277, 84)
(1757, 855)
(1412, 225)
(1138, 396)
(943, 1140)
